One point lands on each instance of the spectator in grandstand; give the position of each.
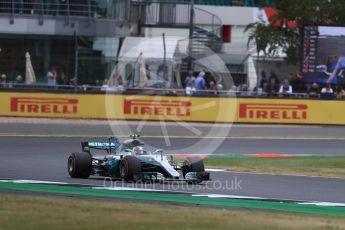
(263, 81)
(297, 82)
(61, 80)
(105, 85)
(339, 92)
(272, 87)
(327, 89)
(219, 87)
(162, 72)
(51, 76)
(327, 92)
(314, 90)
(215, 88)
(200, 83)
(212, 87)
(73, 81)
(275, 77)
(117, 84)
(244, 90)
(3, 78)
(190, 77)
(19, 79)
(285, 89)
(190, 88)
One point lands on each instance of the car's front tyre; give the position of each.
(193, 164)
(129, 167)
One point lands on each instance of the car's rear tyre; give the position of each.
(129, 167)
(79, 165)
(193, 164)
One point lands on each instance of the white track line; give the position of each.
(318, 203)
(215, 170)
(130, 189)
(324, 204)
(34, 182)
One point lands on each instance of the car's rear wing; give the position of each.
(111, 144)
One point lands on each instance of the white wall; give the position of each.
(232, 15)
(156, 32)
(238, 44)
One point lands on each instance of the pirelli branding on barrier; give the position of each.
(269, 111)
(198, 109)
(39, 105)
(158, 107)
(52, 105)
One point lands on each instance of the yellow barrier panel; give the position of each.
(170, 108)
(52, 105)
(240, 110)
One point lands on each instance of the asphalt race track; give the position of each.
(45, 158)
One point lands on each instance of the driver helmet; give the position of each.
(138, 150)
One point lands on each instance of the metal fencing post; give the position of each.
(76, 57)
(12, 12)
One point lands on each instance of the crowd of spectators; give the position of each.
(204, 84)
(201, 84)
(293, 86)
(4, 83)
(114, 86)
(59, 78)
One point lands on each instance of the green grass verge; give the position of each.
(332, 166)
(186, 199)
(26, 212)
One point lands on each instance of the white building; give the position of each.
(220, 27)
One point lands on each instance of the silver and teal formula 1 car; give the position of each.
(129, 161)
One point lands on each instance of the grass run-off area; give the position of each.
(26, 212)
(326, 166)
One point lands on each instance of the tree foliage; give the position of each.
(276, 36)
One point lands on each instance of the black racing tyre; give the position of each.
(130, 165)
(193, 164)
(79, 165)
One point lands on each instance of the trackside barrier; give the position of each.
(198, 109)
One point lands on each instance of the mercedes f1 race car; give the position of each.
(129, 161)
